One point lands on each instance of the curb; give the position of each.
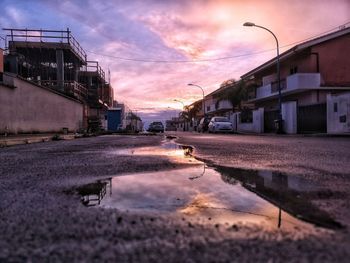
(29, 139)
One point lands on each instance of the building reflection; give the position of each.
(288, 193)
(92, 194)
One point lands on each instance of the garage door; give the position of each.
(312, 119)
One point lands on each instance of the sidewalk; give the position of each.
(31, 138)
(342, 135)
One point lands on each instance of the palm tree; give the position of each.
(236, 92)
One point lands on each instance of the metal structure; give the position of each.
(54, 59)
(94, 78)
(203, 102)
(50, 58)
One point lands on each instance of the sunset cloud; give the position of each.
(176, 31)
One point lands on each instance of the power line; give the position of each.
(219, 58)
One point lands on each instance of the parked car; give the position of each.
(203, 124)
(220, 124)
(156, 126)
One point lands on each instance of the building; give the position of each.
(53, 68)
(99, 94)
(216, 103)
(170, 125)
(310, 71)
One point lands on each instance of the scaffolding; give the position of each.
(98, 88)
(50, 58)
(54, 59)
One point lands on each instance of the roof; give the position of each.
(290, 52)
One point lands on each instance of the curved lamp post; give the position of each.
(280, 124)
(183, 108)
(203, 106)
(183, 105)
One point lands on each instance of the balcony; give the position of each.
(224, 105)
(219, 106)
(293, 83)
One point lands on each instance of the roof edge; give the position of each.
(298, 47)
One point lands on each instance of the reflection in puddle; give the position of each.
(92, 194)
(220, 195)
(177, 153)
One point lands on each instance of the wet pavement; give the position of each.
(44, 218)
(212, 195)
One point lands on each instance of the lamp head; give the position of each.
(190, 84)
(248, 24)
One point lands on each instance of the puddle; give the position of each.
(177, 153)
(211, 194)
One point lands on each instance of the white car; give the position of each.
(220, 124)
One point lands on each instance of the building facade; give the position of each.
(54, 61)
(309, 73)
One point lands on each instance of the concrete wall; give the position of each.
(338, 113)
(25, 107)
(257, 126)
(289, 115)
(233, 117)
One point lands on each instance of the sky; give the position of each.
(175, 42)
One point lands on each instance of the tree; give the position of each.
(194, 109)
(191, 111)
(233, 91)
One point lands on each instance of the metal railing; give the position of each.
(93, 66)
(72, 88)
(43, 35)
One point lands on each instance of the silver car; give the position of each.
(220, 124)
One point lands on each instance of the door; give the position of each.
(269, 120)
(312, 118)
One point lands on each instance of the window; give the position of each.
(208, 108)
(246, 116)
(293, 70)
(342, 119)
(222, 119)
(335, 107)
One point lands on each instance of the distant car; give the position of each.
(156, 126)
(220, 124)
(203, 124)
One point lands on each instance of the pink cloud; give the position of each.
(186, 30)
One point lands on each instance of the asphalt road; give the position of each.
(42, 218)
(324, 160)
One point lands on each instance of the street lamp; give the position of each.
(203, 106)
(183, 105)
(280, 124)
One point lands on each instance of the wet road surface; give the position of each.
(43, 219)
(209, 195)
